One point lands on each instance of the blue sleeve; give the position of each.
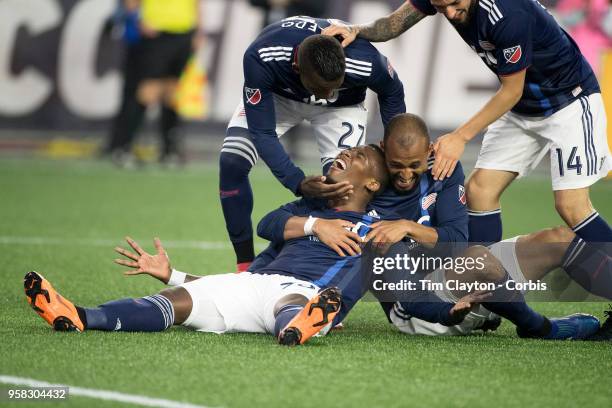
(387, 85)
(261, 118)
(451, 210)
(272, 226)
(512, 37)
(429, 307)
(424, 6)
(266, 256)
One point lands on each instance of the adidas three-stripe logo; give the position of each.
(357, 67)
(494, 14)
(242, 147)
(275, 53)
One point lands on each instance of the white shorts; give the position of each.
(575, 137)
(240, 302)
(336, 129)
(505, 252)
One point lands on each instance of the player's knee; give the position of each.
(558, 234)
(291, 299)
(485, 267)
(479, 194)
(573, 211)
(238, 154)
(234, 166)
(182, 303)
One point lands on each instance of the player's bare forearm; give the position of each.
(336, 234)
(294, 228)
(506, 97)
(422, 234)
(391, 26)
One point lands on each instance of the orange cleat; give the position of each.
(317, 313)
(50, 305)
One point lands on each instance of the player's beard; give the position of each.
(471, 12)
(417, 178)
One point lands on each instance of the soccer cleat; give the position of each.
(577, 326)
(490, 324)
(605, 331)
(317, 313)
(50, 305)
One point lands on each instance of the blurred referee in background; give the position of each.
(157, 53)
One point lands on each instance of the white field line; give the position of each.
(100, 394)
(111, 243)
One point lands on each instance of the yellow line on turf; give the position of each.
(100, 394)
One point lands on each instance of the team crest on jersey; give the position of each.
(513, 54)
(462, 198)
(429, 200)
(253, 96)
(487, 46)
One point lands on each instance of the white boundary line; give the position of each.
(100, 394)
(111, 243)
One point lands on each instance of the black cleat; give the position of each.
(489, 324)
(290, 337)
(605, 331)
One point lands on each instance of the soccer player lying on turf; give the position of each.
(521, 262)
(293, 74)
(294, 297)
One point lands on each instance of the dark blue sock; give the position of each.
(238, 156)
(284, 316)
(485, 226)
(148, 314)
(590, 266)
(510, 304)
(594, 229)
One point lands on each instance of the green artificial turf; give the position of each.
(80, 210)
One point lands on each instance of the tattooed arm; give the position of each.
(381, 30)
(391, 26)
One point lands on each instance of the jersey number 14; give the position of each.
(573, 162)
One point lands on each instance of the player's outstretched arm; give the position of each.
(141, 262)
(449, 148)
(383, 29)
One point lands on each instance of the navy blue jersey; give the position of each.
(513, 35)
(309, 259)
(438, 204)
(268, 70)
